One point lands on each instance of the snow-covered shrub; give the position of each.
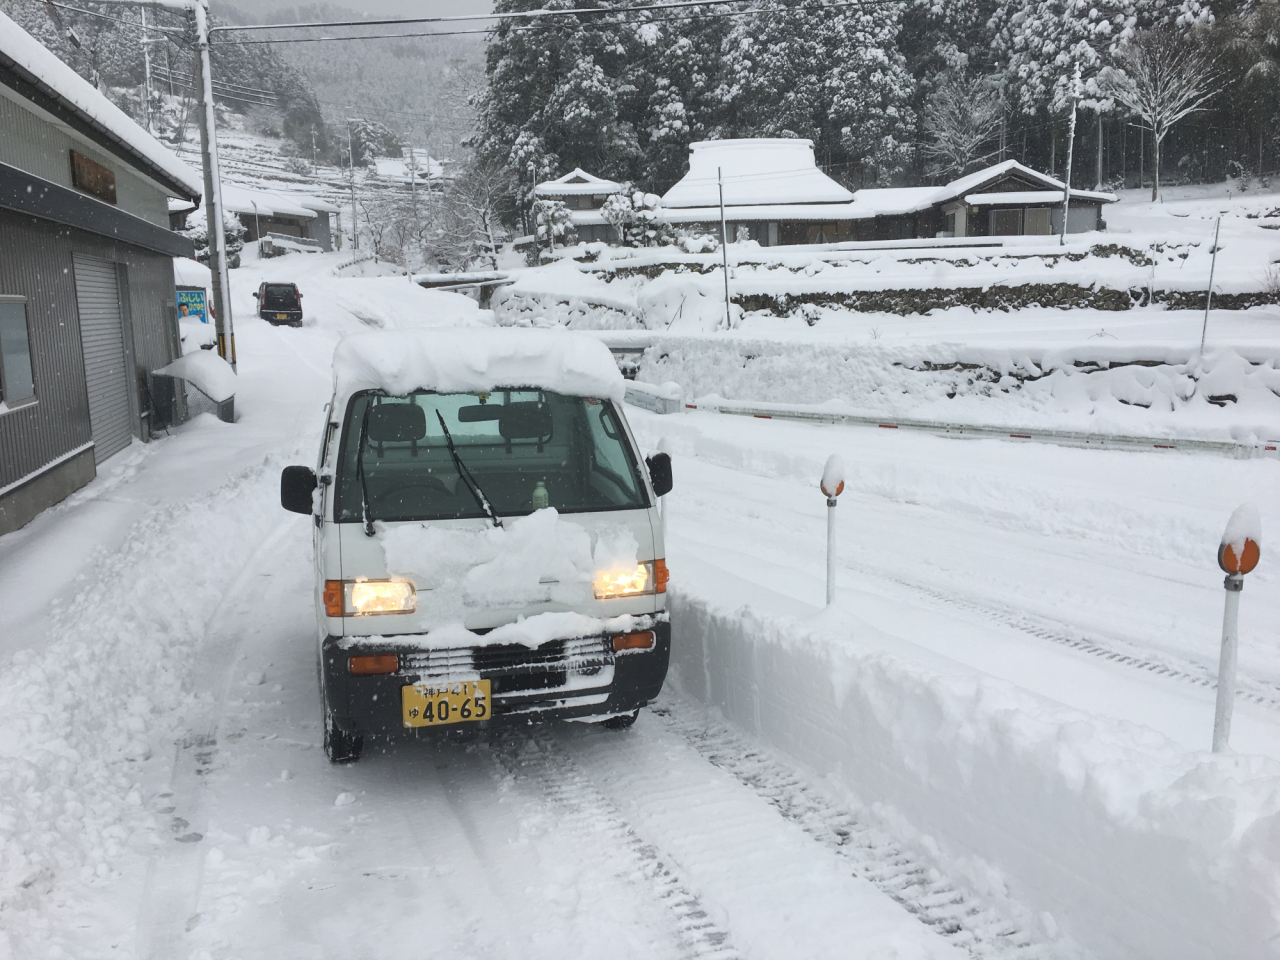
(198, 233)
(697, 242)
(634, 215)
(554, 224)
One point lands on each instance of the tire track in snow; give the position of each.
(873, 855)
(175, 874)
(536, 757)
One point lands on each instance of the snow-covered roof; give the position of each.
(311, 202)
(1032, 196)
(755, 171)
(397, 168)
(577, 183)
(240, 199)
(888, 201)
(762, 212)
(971, 183)
(37, 65)
(471, 360)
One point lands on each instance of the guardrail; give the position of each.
(1065, 438)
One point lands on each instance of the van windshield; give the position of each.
(525, 449)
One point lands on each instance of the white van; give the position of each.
(487, 543)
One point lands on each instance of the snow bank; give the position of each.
(451, 361)
(1132, 845)
(1121, 389)
(207, 371)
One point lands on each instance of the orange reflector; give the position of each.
(379, 663)
(633, 641)
(333, 598)
(1244, 563)
(660, 576)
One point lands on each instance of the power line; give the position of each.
(103, 16)
(588, 25)
(471, 17)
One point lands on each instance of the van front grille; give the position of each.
(555, 659)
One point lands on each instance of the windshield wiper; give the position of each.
(465, 474)
(364, 487)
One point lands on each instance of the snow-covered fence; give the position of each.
(1130, 844)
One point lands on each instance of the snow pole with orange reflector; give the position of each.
(832, 485)
(1237, 555)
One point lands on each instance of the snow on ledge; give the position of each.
(455, 361)
(211, 374)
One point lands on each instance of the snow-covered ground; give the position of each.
(994, 745)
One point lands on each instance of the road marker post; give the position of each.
(832, 485)
(1237, 555)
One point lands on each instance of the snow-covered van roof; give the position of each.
(756, 171)
(577, 183)
(472, 360)
(57, 84)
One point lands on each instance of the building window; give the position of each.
(1006, 223)
(92, 178)
(1039, 222)
(17, 386)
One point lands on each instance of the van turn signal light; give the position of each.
(660, 575)
(377, 663)
(333, 598)
(633, 641)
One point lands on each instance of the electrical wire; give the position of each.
(103, 16)
(527, 29)
(469, 17)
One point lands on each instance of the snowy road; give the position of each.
(194, 814)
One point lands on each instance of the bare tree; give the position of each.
(961, 122)
(1162, 77)
(474, 208)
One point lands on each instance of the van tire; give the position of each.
(621, 721)
(339, 745)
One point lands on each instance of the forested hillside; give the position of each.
(418, 87)
(104, 44)
(890, 92)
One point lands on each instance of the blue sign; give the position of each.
(191, 303)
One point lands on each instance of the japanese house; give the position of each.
(87, 302)
(584, 195)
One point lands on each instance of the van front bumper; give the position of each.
(561, 680)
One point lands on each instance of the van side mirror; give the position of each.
(296, 487)
(255, 294)
(660, 473)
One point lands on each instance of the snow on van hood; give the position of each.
(472, 360)
(534, 559)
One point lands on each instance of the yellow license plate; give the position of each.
(282, 316)
(434, 705)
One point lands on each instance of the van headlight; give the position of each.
(364, 598)
(635, 582)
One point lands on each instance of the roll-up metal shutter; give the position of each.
(105, 368)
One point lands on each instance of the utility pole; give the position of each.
(313, 144)
(355, 220)
(146, 67)
(1071, 143)
(212, 182)
(724, 250)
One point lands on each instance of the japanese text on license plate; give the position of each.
(434, 705)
